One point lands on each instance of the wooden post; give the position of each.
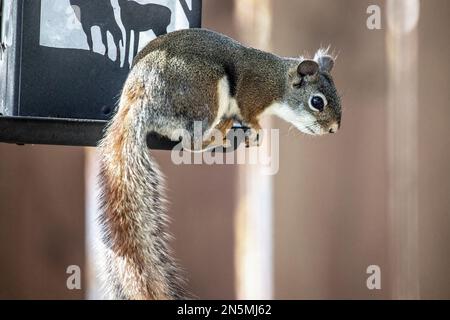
(254, 215)
(402, 126)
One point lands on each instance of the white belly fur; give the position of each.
(228, 106)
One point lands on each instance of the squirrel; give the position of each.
(178, 78)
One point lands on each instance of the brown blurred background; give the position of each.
(330, 196)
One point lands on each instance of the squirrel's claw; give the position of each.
(252, 138)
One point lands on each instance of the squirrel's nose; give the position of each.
(333, 128)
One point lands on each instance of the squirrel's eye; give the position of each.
(317, 102)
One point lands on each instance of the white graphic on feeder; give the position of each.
(116, 29)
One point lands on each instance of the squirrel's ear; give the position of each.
(326, 63)
(307, 68)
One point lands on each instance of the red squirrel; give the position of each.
(178, 78)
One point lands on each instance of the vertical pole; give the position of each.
(254, 215)
(93, 233)
(402, 126)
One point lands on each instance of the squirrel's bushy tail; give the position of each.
(138, 264)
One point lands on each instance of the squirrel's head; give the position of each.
(312, 103)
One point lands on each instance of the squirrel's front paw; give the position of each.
(252, 138)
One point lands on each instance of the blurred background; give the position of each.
(375, 193)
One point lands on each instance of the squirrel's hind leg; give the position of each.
(218, 140)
